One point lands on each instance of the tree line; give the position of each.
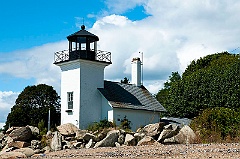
(209, 82)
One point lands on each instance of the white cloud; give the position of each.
(176, 33)
(7, 100)
(35, 63)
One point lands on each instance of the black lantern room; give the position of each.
(82, 45)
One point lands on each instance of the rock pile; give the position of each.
(23, 141)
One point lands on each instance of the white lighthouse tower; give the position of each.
(82, 74)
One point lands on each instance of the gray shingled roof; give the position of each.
(129, 96)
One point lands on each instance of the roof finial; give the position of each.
(83, 27)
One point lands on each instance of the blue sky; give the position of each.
(169, 33)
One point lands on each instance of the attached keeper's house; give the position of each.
(87, 98)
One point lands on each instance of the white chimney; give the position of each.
(136, 71)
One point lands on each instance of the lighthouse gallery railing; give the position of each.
(102, 56)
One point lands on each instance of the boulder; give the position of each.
(35, 144)
(12, 155)
(101, 136)
(90, 144)
(147, 140)
(35, 130)
(152, 130)
(121, 139)
(49, 135)
(18, 144)
(89, 136)
(78, 145)
(9, 130)
(27, 151)
(1, 136)
(185, 136)
(139, 136)
(67, 129)
(109, 140)
(21, 134)
(117, 144)
(169, 131)
(80, 134)
(8, 140)
(46, 149)
(129, 140)
(56, 143)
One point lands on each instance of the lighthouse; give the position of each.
(82, 74)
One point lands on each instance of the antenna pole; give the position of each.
(142, 66)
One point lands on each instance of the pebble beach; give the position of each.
(193, 151)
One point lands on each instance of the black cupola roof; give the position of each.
(83, 33)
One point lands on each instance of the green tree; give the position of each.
(32, 107)
(163, 94)
(211, 81)
(125, 80)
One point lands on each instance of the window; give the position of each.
(70, 100)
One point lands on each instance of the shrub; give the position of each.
(125, 123)
(42, 128)
(217, 124)
(101, 125)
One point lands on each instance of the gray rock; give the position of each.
(12, 155)
(168, 132)
(67, 129)
(66, 147)
(89, 136)
(185, 136)
(100, 136)
(56, 143)
(139, 136)
(27, 151)
(37, 151)
(18, 144)
(35, 144)
(90, 144)
(9, 140)
(80, 134)
(35, 130)
(147, 140)
(129, 140)
(46, 149)
(11, 129)
(49, 135)
(21, 134)
(152, 130)
(109, 140)
(117, 144)
(121, 139)
(1, 136)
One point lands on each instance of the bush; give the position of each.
(42, 128)
(125, 123)
(217, 124)
(101, 125)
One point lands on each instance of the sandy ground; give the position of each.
(193, 151)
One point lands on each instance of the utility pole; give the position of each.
(49, 119)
